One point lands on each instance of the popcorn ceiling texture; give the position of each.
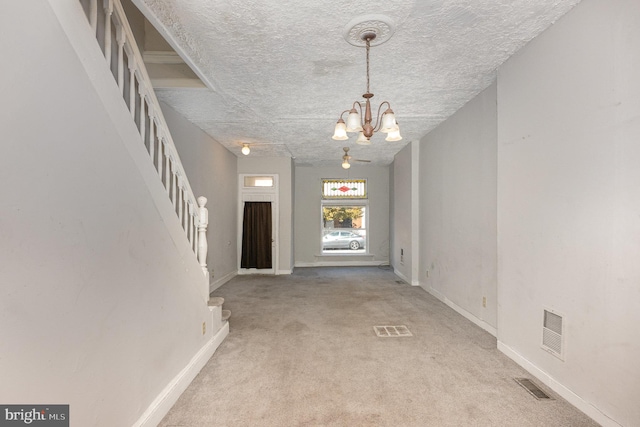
(280, 73)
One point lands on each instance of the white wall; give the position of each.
(569, 205)
(213, 173)
(101, 303)
(400, 211)
(284, 168)
(308, 227)
(458, 210)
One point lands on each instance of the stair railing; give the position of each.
(115, 37)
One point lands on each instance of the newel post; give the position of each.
(203, 221)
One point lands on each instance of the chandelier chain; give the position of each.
(367, 65)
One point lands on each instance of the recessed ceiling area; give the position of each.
(278, 74)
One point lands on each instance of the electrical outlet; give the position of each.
(204, 328)
(484, 301)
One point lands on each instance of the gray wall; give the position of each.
(400, 207)
(213, 173)
(458, 210)
(101, 303)
(569, 204)
(308, 227)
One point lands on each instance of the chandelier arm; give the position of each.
(342, 114)
(376, 128)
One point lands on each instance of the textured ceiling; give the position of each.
(279, 73)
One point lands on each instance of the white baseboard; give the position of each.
(221, 280)
(405, 278)
(400, 275)
(554, 385)
(168, 397)
(284, 272)
(484, 325)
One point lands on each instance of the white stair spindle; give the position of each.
(190, 222)
(173, 185)
(152, 136)
(120, 40)
(93, 15)
(108, 11)
(179, 199)
(132, 85)
(196, 219)
(203, 216)
(174, 191)
(194, 229)
(171, 179)
(160, 151)
(143, 117)
(167, 169)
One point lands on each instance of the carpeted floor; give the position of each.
(302, 352)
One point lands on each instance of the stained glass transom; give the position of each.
(344, 189)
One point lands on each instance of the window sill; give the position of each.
(342, 255)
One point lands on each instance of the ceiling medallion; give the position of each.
(380, 25)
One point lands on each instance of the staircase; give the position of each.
(215, 303)
(115, 39)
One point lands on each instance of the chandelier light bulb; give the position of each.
(353, 121)
(245, 149)
(393, 135)
(363, 140)
(346, 164)
(388, 122)
(340, 132)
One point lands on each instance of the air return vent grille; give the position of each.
(552, 333)
(532, 388)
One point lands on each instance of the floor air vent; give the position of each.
(552, 333)
(392, 331)
(533, 389)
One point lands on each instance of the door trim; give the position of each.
(260, 194)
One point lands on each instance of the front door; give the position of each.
(257, 237)
(258, 224)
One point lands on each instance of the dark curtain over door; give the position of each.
(256, 235)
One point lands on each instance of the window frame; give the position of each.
(357, 203)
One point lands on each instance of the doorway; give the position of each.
(258, 222)
(256, 236)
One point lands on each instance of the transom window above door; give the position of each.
(258, 181)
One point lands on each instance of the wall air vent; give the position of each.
(552, 333)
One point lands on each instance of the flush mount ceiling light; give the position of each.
(368, 30)
(245, 149)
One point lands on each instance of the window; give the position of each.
(344, 229)
(258, 181)
(344, 189)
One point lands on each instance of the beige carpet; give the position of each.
(302, 351)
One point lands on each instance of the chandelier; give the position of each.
(385, 118)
